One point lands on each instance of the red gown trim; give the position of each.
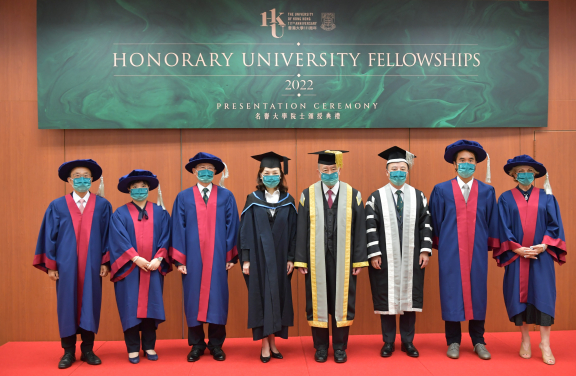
(528, 211)
(466, 227)
(144, 231)
(206, 218)
(82, 223)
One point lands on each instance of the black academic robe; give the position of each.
(268, 243)
(398, 240)
(330, 285)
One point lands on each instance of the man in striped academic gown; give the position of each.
(330, 252)
(399, 237)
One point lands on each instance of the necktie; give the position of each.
(205, 196)
(466, 192)
(81, 206)
(400, 203)
(330, 201)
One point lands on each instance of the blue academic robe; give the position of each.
(523, 224)
(76, 245)
(139, 293)
(463, 234)
(204, 239)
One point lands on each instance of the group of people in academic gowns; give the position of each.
(329, 238)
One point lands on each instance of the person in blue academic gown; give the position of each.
(465, 225)
(73, 249)
(139, 243)
(531, 238)
(267, 243)
(204, 232)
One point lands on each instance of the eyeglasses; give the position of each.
(206, 168)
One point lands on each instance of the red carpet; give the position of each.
(41, 358)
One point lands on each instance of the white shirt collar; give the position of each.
(201, 187)
(77, 198)
(394, 189)
(272, 198)
(334, 188)
(461, 183)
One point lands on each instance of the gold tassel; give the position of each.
(160, 201)
(338, 156)
(488, 174)
(224, 176)
(101, 187)
(547, 186)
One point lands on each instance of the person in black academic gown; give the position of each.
(267, 241)
(399, 237)
(330, 252)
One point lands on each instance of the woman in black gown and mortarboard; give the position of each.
(267, 243)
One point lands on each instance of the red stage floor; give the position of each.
(41, 358)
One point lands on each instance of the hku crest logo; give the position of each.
(274, 21)
(328, 21)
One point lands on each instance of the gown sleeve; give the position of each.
(292, 217)
(493, 220)
(177, 251)
(164, 244)
(436, 209)
(121, 249)
(302, 233)
(105, 226)
(360, 254)
(45, 254)
(373, 216)
(232, 225)
(246, 235)
(504, 255)
(554, 236)
(425, 227)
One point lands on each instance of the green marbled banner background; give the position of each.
(79, 87)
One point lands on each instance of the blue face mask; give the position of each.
(525, 178)
(205, 176)
(329, 179)
(271, 181)
(139, 194)
(466, 169)
(82, 184)
(398, 178)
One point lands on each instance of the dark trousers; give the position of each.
(454, 332)
(216, 336)
(321, 337)
(132, 336)
(69, 343)
(407, 322)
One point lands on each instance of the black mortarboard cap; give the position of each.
(272, 160)
(330, 157)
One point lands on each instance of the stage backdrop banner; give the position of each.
(292, 64)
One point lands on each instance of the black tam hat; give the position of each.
(330, 157)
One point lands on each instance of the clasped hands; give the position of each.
(147, 266)
(530, 252)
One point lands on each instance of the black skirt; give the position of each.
(258, 333)
(532, 316)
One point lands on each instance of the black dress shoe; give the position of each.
(340, 356)
(276, 355)
(66, 361)
(90, 358)
(265, 359)
(410, 350)
(195, 354)
(387, 349)
(321, 356)
(218, 354)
